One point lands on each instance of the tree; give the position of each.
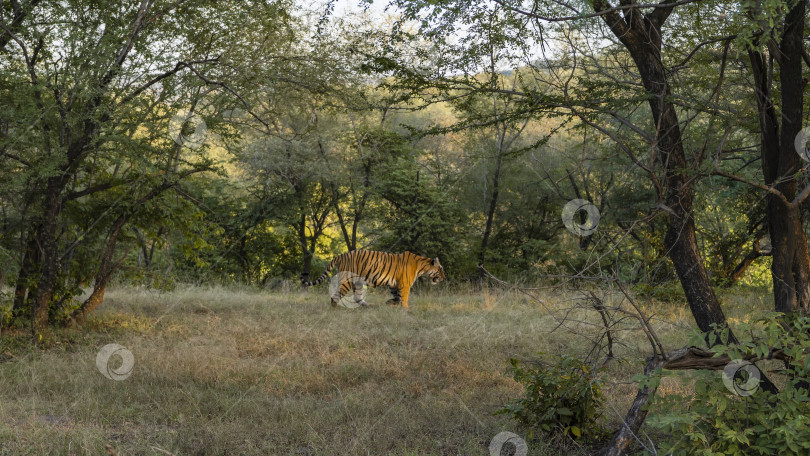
(90, 88)
(357, 174)
(419, 215)
(780, 159)
(639, 31)
(633, 92)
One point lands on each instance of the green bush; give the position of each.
(669, 292)
(564, 397)
(716, 420)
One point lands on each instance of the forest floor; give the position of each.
(231, 371)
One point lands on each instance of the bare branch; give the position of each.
(801, 196)
(767, 188)
(179, 66)
(233, 92)
(602, 10)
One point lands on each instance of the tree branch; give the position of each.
(162, 76)
(767, 188)
(20, 12)
(602, 10)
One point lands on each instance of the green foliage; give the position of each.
(89, 173)
(715, 420)
(332, 157)
(563, 397)
(670, 291)
(420, 216)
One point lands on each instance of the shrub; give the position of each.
(564, 397)
(717, 420)
(669, 292)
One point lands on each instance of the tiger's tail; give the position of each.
(322, 277)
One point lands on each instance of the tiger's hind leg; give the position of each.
(358, 292)
(342, 290)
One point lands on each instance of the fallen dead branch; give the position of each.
(687, 358)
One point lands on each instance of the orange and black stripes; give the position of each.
(397, 271)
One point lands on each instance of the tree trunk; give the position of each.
(349, 239)
(145, 254)
(359, 204)
(493, 204)
(306, 267)
(790, 269)
(641, 35)
(360, 207)
(105, 271)
(43, 295)
(22, 287)
(792, 48)
(636, 415)
(355, 224)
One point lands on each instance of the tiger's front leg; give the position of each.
(403, 293)
(400, 296)
(396, 300)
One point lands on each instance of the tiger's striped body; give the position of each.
(397, 271)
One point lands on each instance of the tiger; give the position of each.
(395, 270)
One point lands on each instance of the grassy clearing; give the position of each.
(221, 371)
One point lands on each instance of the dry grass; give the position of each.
(222, 371)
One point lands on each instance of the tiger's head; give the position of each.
(436, 272)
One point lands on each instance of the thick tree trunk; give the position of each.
(790, 268)
(22, 286)
(306, 268)
(681, 243)
(43, 295)
(641, 35)
(792, 86)
(355, 223)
